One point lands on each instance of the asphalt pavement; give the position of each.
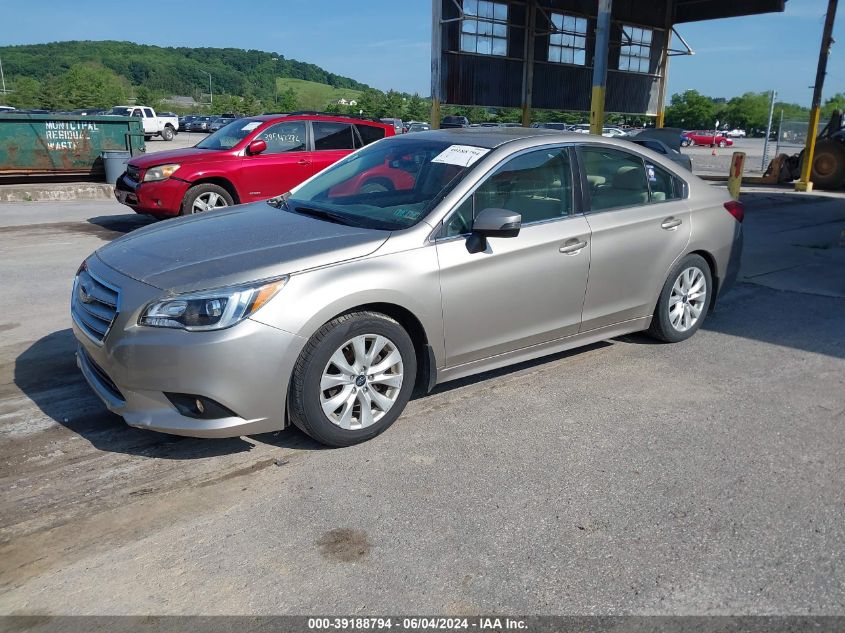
(628, 477)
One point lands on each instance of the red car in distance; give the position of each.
(250, 159)
(709, 138)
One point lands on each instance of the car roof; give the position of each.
(491, 137)
(297, 116)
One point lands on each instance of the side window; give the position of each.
(615, 178)
(284, 137)
(136, 112)
(148, 112)
(370, 133)
(329, 135)
(537, 185)
(663, 185)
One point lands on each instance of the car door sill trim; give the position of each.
(543, 349)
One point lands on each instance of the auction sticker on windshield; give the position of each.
(464, 155)
(251, 126)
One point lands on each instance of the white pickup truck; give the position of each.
(164, 126)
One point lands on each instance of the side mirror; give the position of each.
(493, 222)
(256, 147)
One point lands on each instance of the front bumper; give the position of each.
(161, 197)
(245, 368)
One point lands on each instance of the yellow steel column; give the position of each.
(806, 184)
(600, 67)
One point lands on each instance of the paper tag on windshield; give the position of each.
(251, 126)
(464, 155)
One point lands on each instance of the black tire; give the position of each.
(661, 323)
(167, 133)
(829, 164)
(305, 409)
(204, 188)
(723, 144)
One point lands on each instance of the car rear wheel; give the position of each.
(723, 143)
(683, 301)
(167, 133)
(353, 379)
(205, 197)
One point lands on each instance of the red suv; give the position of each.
(250, 159)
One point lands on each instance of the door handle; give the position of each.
(303, 161)
(572, 247)
(670, 224)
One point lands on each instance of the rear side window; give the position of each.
(370, 133)
(663, 185)
(329, 135)
(148, 112)
(615, 178)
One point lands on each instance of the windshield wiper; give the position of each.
(330, 216)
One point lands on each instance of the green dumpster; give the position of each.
(43, 146)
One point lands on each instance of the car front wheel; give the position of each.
(205, 197)
(353, 379)
(683, 301)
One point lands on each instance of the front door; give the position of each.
(283, 165)
(524, 290)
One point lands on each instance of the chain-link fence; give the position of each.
(792, 137)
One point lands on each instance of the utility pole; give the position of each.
(768, 131)
(2, 77)
(210, 91)
(600, 67)
(806, 184)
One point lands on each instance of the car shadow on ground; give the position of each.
(47, 374)
(115, 225)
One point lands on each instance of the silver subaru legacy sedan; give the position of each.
(417, 260)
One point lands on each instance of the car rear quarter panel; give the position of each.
(715, 232)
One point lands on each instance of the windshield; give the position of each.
(229, 135)
(389, 185)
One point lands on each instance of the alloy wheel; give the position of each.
(361, 381)
(208, 201)
(688, 299)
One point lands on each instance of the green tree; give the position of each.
(394, 105)
(26, 93)
(417, 108)
(90, 86)
(691, 110)
(836, 102)
(749, 111)
(287, 101)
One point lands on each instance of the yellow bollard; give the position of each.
(735, 177)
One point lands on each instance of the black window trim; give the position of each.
(577, 193)
(313, 145)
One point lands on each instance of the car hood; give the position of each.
(188, 155)
(235, 245)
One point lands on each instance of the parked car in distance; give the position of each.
(735, 133)
(398, 126)
(563, 127)
(219, 122)
(5, 108)
(250, 159)
(154, 125)
(613, 132)
(419, 127)
(709, 138)
(185, 121)
(200, 124)
(328, 305)
(685, 140)
(454, 121)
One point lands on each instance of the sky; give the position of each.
(386, 43)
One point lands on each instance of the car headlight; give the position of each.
(160, 172)
(210, 309)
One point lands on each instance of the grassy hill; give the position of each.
(315, 96)
(168, 70)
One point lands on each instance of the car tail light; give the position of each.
(736, 209)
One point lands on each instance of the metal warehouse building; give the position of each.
(554, 53)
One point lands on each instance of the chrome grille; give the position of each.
(94, 305)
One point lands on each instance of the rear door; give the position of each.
(640, 223)
(283, 165)
(332, 141)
